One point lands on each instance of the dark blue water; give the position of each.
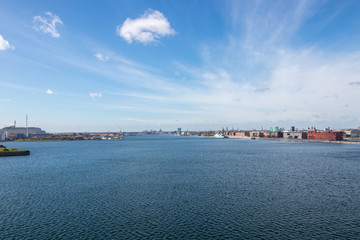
(181, 187)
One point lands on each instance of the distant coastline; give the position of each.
(346, 141)
(299, 140)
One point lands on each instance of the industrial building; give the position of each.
(294, 135)
(13, 133)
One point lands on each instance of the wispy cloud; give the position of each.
(95, 96)
(20, 87)
(270, 23)
(101, 57)
(239, 81)
(47, 24)
(296, 80)
(259, 58)
(5, 100)
(262, 90)
(355, 83)
(4, 44)
(148, 28)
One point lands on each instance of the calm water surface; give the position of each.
(181, 188)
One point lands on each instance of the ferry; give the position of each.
(220, 135)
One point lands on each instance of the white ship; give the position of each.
(220, 135)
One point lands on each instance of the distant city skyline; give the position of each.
(197, 65)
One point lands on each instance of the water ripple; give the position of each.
(164, 187)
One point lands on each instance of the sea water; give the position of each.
(170, 187)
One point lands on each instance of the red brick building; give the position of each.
(240, 134)
(325, 135)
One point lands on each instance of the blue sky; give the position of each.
(135, 65)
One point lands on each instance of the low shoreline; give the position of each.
(56, 140)
(299, 140)
(350, 141)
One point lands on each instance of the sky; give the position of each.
(111, 65)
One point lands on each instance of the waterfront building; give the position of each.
(352, 133)
(240, 134)
(13, 133)
(255, 134)
(273, 134)
(294, 135)
(325, 135)
(229, 133)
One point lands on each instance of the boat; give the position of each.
(8, 152)
(220, 135)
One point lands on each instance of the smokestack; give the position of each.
(27, 129)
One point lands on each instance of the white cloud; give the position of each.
(50, 92)
(148, 28)
(4, 44)
(47, 24)
(94, 96)
(101, 57)
(5, 100)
